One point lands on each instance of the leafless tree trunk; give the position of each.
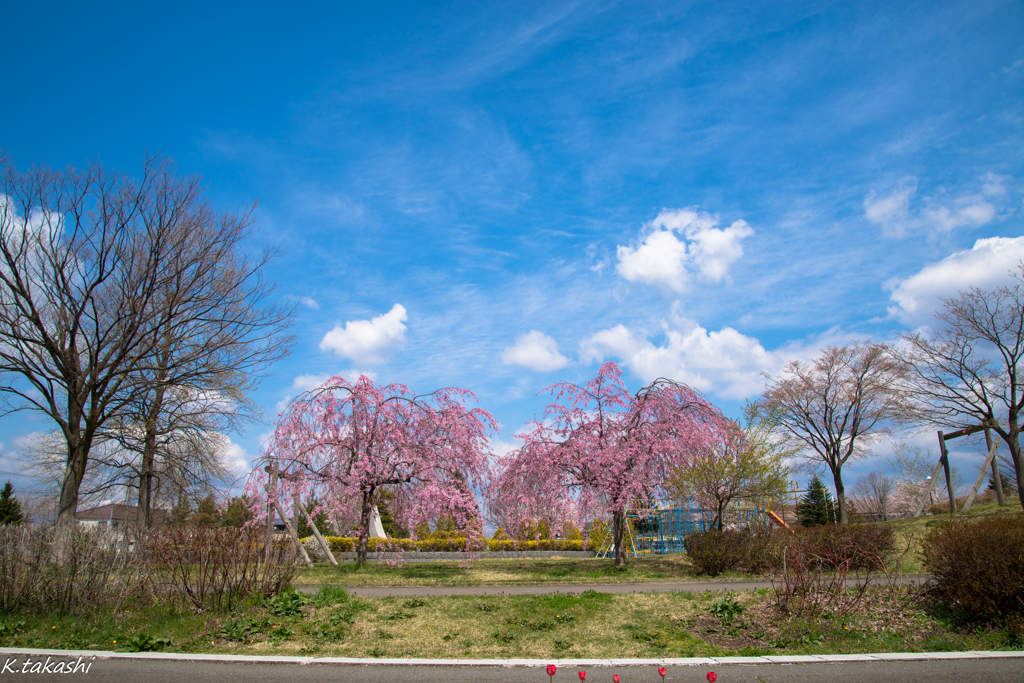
(835, 405)
(96, 270)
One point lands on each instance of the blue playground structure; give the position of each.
(661, 531)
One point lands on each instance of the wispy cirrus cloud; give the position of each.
(899, 216)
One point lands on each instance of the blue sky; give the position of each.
(499, 196)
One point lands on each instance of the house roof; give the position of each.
(114, 511)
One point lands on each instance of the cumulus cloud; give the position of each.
(234, 456)
(309, 303)
(536, 351)
(679, 244)
(725, 362)
(986, 265)
(368, 341)
(897, 218)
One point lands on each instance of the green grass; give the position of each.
(589, 625)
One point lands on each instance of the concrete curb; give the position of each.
(510, 663)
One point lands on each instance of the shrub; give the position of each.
(214, 569)
(858, 546)
(758, 552)
(978, 568)
(543, 544)
(97, 568)
(818, 562)
(714, 552)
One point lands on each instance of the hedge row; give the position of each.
(456, 544)
(829, 547)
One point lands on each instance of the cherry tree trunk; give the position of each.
(619, 536)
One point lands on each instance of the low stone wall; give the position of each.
(413, 556)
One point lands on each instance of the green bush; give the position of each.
(978, 568)
(714, 552)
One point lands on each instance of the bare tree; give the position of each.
(216, 332)
(833, 407)
(89, 262)
(912, 467)
(875, 490)
(966, 372)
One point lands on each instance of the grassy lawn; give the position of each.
(485, 572)
(591, 625)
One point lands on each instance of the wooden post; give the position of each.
(949, 479)
(981, 475)
(997, 479)
(293, 534)
(316, 532)
(294, 523)
(271, 493)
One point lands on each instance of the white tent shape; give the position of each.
(376, 528)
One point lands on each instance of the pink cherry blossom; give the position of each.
(351, 442)
(601, 450)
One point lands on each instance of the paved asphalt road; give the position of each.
(646, 587)
(150, 671)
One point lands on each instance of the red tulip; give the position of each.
(552, 669)
(712, 676)
(583, 675)
(662, 671)
(616, 678)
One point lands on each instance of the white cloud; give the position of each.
(894, 214)
(234, 456)
(994, 185)
(986, 265)
(664, 260)
(309, 303)
(536, 351)
(368, 341)
(724, 362)
(309, 382)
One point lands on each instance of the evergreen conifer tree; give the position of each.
(323, 523)
(1008, 485)
(816, 507)
(10, 509)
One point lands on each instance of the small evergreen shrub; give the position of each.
(978, 568)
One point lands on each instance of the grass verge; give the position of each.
(590, 625)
